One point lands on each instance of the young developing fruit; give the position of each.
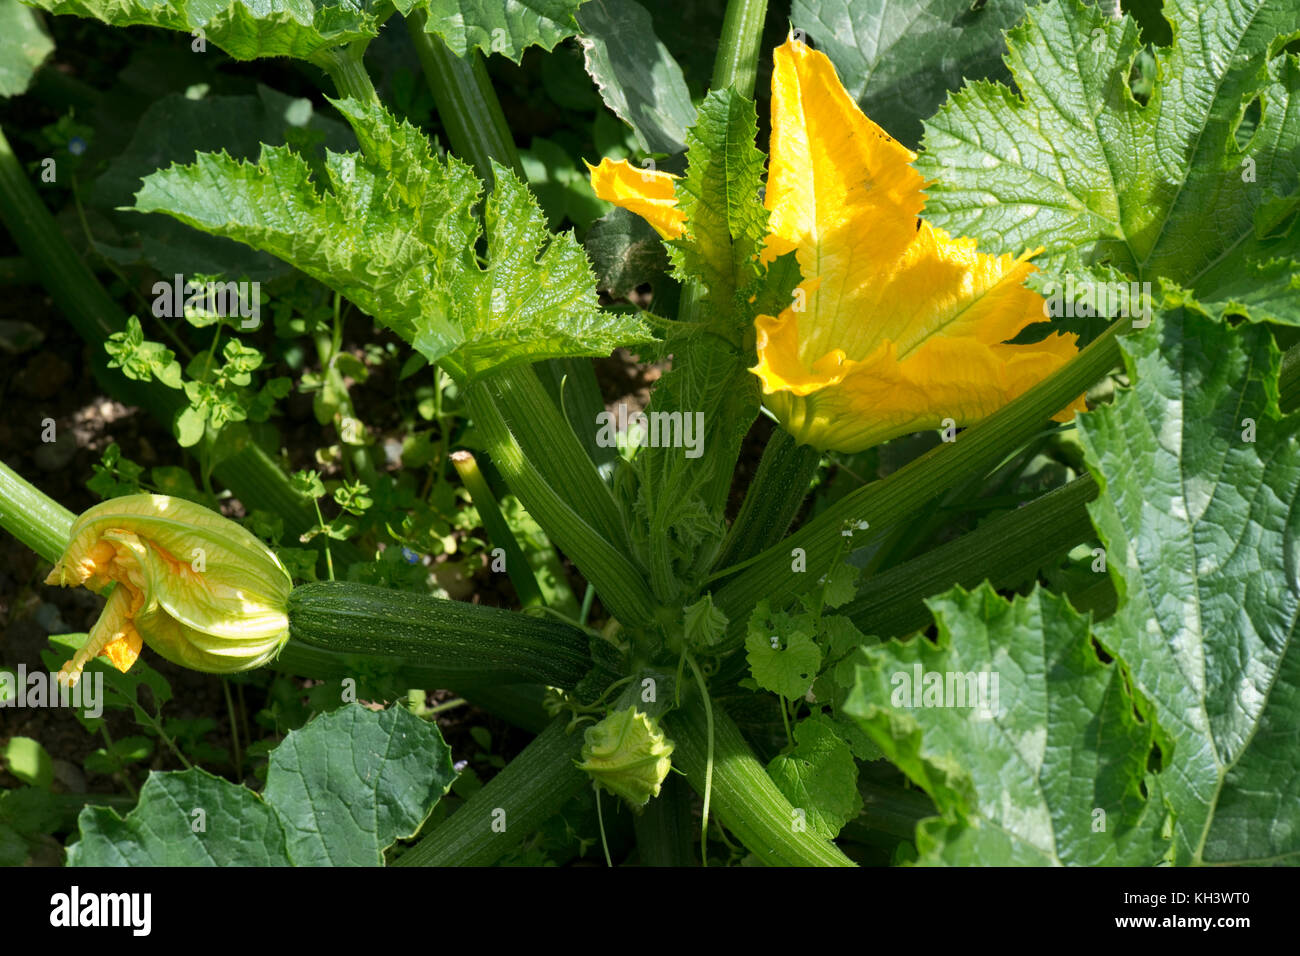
(628, 755)
(198, 588)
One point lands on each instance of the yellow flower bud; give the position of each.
(628, 755)
(196, 587)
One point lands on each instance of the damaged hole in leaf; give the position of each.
(1100, 651)
(1142, 77)
(1155, 759)
(1244, 131)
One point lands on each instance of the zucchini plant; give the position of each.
(832, 670)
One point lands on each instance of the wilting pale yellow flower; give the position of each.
(896, 326)
(198, 588)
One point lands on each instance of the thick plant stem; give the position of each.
(1289, 380)
(663, 829)
(467, 105)
(35, 519)
(472, 116)
(736, 64)
(476, 127)
(71, 284)
(744, 797)
(573, 388)
(1004, 550)
(773, 498)
(886, 502)
(499, 533)
(551, 445)
(622, 588)
(531, 789)
(347, 69)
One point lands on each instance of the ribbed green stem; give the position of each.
(744, 797)
(1003, 550)
(664, 831)
(69, 282)
(477, 129)
(1289, 380)
(885, 502)
(467, 105)
(737, 61)
(573, 388)
(498, 529)
(621, 586)
(32, 517)
(552, 446)
(531, 789)
(888, 810)
(347, 69)
(772, 500)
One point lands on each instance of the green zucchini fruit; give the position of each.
(454, 642)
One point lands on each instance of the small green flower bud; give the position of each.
(628, 755)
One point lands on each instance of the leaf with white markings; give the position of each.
(899, 58)
(1075, 163)
(24, 45)
(1201, 479)
(1029, 746)
(637, 77)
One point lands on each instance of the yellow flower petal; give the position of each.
(902, 325)
(831, 172)
(114, 635)
(648, 193)
(197, 650)
(883, 397)
(123, 650)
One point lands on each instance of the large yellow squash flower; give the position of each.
(198, 588)
(897, 326)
